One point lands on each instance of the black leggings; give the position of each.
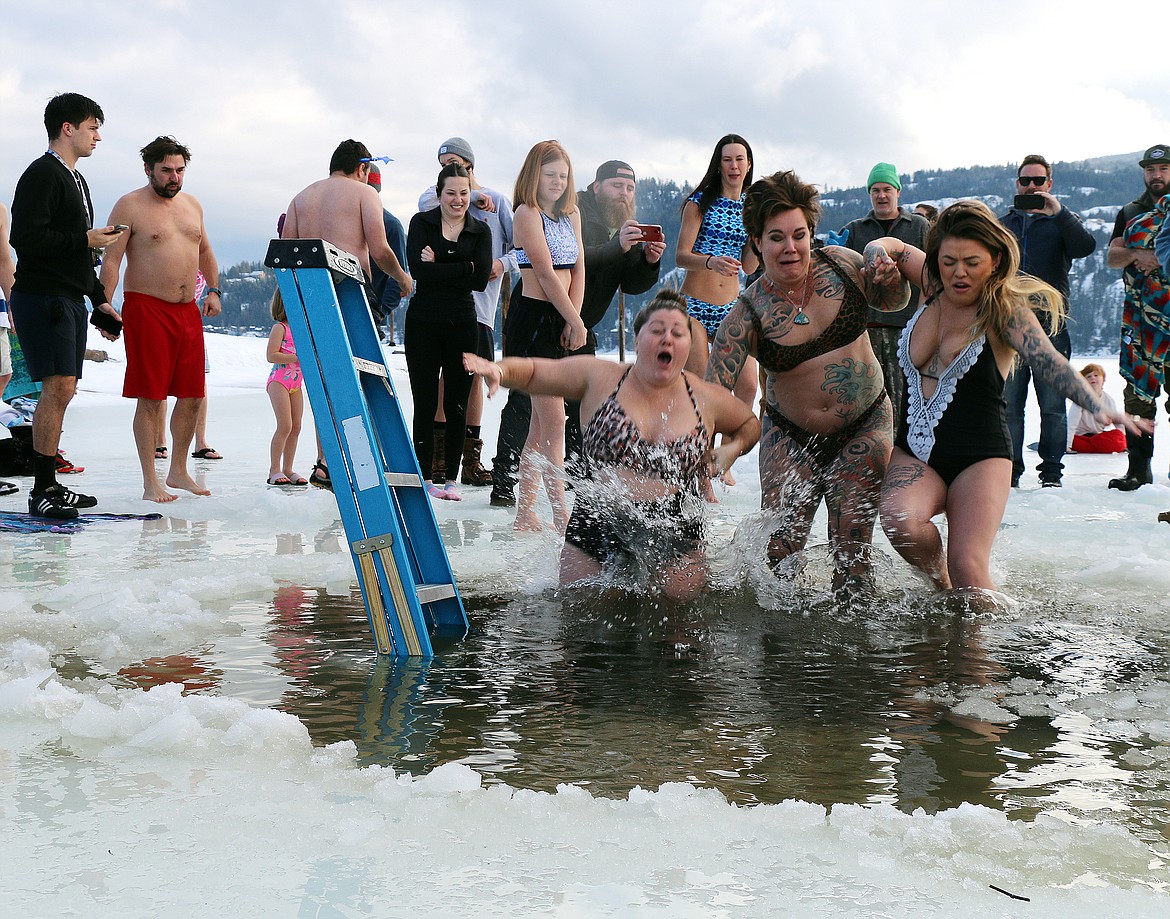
(433, 345)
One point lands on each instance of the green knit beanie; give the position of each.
(883, 172)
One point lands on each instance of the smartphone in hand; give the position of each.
(102, 320)
(1029, 202)
(651, 233)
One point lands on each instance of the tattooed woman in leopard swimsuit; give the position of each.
(828, 426)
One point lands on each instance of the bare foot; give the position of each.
(527, 522)
(727, 478)
(158, 494)
(186, 483)
(709, 492)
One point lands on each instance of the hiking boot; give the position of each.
(1135, 478)
(1141, 452)
(1050, 481)
(473, 471)
(502, 496)
(58, 503)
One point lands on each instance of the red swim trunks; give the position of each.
(164, 348)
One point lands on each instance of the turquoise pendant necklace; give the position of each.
(800, 318)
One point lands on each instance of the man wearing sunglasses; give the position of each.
(1050, 237)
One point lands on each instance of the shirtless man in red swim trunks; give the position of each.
(165, 245)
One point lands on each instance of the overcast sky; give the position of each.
(263, 91)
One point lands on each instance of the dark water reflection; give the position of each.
(762, 705)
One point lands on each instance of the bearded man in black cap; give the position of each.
(1145, 287)
(615, 256)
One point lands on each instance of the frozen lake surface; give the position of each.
(192, 717)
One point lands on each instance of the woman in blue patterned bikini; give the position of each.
(713, 248)
(648, 445)
(955, 455)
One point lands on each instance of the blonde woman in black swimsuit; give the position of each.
(954, 455)
(648, 444)
(827, 427)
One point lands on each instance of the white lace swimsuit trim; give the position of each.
(923, 414)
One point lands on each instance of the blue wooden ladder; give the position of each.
(401, 563)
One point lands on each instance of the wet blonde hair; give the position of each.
(1006, 289)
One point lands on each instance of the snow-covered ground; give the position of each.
(120, 800)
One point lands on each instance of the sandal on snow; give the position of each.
(320, 476)
(65, 467)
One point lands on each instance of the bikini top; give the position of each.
(612, 439)
(562, 243)
(974, 368)
(722, 231)
(847, 326)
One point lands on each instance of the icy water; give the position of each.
(922, 707)
(192, 717)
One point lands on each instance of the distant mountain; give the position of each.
(1095, 188)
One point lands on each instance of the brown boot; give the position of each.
(439, 458)
(473, 471)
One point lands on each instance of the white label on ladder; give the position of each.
(357, 442)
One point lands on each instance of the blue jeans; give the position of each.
(1053, 420)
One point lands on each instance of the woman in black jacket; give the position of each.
(450, 255)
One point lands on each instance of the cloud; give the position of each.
(263, 91)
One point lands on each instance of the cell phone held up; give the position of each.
(103, 321)
(651, 233)
(1029, 202)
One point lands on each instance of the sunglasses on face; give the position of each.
(1025, 181)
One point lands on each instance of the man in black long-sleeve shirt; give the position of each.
(56, 257)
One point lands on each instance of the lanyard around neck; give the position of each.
(86, 204)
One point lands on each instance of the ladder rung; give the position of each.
(372, 367)
(429, 593)
(403, 480)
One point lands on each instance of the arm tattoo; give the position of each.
(729, 351)
(1049, 365)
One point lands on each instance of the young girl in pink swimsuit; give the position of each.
(288, 399)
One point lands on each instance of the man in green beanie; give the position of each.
(888, 219)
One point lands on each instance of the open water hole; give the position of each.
(911, 704)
